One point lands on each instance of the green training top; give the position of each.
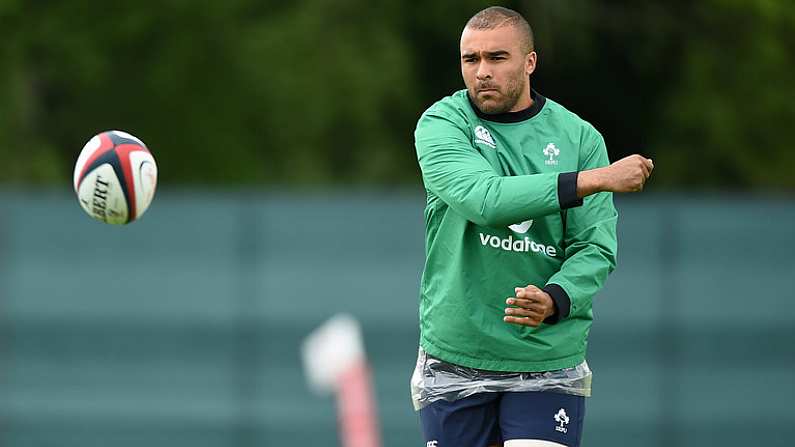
(502, 212)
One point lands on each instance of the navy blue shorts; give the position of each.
(486, 419)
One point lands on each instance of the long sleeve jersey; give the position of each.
(502, 212)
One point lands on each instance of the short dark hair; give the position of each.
(497, 16)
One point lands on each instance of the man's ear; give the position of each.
(530, 63)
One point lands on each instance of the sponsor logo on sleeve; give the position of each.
(483, 136)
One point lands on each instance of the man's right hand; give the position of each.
(626, 175)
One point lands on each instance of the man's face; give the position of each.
(495, 69)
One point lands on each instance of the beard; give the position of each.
(501, 101)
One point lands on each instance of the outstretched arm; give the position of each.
(590, 240)
(457, 173)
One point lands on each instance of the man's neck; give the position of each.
(536, 104)
(525, 102)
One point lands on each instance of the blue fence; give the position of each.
(184, 329)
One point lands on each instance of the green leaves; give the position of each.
(248, 92)
(729, 123)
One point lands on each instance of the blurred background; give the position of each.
(289, 192)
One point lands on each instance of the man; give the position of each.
(520, 235)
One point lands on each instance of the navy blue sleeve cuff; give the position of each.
(561, 300)
(567, 190)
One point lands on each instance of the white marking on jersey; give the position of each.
(551, 151)
(482, 135)
(521, 227)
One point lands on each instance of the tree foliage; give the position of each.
(246, 92)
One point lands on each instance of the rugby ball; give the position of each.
(115, 177)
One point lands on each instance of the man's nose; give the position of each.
(484, 71)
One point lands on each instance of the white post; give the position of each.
(334, 361)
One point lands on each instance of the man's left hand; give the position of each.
(532, 306)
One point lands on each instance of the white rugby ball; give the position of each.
(115, 177)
